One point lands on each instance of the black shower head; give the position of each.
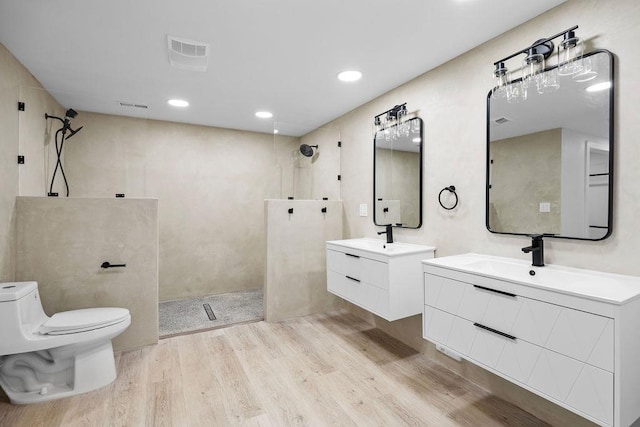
(307, 150)
(73, 132)
(71, 113)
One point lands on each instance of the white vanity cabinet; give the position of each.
(571, 336)
(383, 278)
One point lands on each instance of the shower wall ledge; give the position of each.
(295, 268)
(62, 242)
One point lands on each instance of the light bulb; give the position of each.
(501, 75)
(532, 67)
(570, 55)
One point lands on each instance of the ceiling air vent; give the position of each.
(132, 105)
(501, 120)
(188, 54)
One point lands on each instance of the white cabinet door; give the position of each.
(535, 321)
(487, 347)
(437, 325)
(518, 359)
(577, 334)
(593, 393)
(444, 294)
(555, 374)
(375, 273)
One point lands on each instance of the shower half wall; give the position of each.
(62, 243)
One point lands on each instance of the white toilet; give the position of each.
(44, 358)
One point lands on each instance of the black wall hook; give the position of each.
(324, 210)
(107, 264)
(290, 210)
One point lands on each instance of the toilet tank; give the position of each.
(21, 313)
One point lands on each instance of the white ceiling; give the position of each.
(277, 55)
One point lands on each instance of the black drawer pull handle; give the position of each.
(354, 256)
(495, 331)
(495, 291)
(351, 278)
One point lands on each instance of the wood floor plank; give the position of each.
(165, 386)
(127, 403)
(200, 385)
(266, 340)
(240, 401)
(89, 409)
(330, 369)
(283, 407)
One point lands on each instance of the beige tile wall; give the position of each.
(9, 122)
(63, 241)
(295, 268)
(23, 133)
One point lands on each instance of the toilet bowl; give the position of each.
(44, 358)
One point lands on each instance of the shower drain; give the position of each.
(210, 314)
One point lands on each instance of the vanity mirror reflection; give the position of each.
(550, 156)
(397, 169)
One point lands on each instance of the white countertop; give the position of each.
(381, 247)
(596, 285)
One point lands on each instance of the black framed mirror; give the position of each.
(397, 170)
(550, 156)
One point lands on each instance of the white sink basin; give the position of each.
(614, 288)
(381, 247)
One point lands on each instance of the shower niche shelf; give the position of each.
(383, 278)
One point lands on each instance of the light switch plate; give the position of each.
(545, 207)
(363, 209)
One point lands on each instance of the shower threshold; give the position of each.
(198, 314)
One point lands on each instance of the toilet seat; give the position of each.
(74, 321)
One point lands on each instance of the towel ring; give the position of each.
(451, 189)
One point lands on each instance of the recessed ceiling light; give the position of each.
(350, 76)
(276, 131)
(178, 103)
(264, 114)
(599, 86)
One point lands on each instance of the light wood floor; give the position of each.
(329, 369)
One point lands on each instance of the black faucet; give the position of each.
(536, 249)
(389, 232)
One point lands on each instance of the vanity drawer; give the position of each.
(510, 356)
(584, 336)
(360, 268)
(581, 386)
(575, 383)
(360, 293)
(529, 319)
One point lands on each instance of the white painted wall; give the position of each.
(451, 100)
(575, 160)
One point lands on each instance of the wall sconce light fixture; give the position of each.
(534, 67)
(395, 123)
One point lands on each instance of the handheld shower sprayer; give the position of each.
(66, 127)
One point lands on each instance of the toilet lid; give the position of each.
(86, 319)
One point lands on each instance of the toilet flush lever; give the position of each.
(107, 264)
